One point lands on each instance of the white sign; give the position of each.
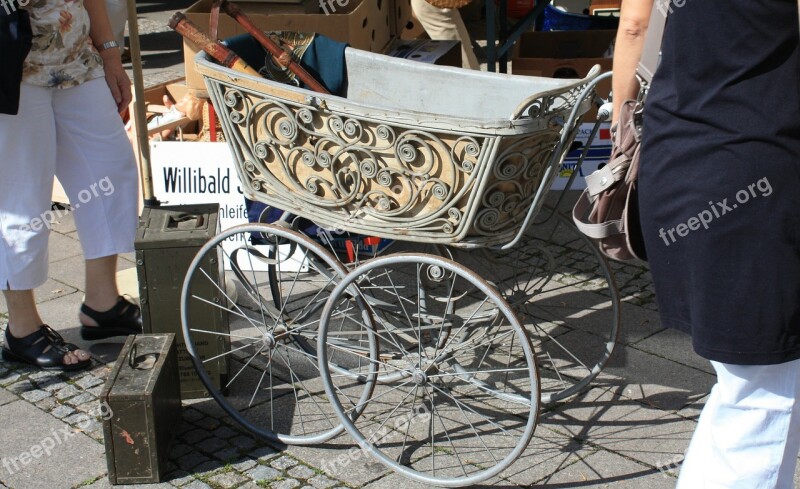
(202, 173)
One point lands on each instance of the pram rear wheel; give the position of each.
(564, 292)
(464, 397)
(282, 283)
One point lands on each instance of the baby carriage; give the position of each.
(434, 354)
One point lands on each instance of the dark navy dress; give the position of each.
(720, 179)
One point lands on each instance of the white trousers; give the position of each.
(446, 24)
(748, 434)
(76, 134)
(118, 16)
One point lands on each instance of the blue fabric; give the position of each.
(15, 43)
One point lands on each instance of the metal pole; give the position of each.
(139, 109)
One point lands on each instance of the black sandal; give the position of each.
(44, 348)
(124, 319)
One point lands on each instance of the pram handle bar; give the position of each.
(556, 156)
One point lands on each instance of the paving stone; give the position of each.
(47, 404)
(35, 395)
(227, 455)
(358, 473)
(95, 391)
(43, 376)
(76, 459)
(243, 442)
(67, 392)
(6, 397)
(207, 468)
(395, 481)
(606, 469)
(97, 435)
(195, 436)
(211, 445)
(207, 423)
(103, 483)
(90, 426)
(224, 432)
(227, 481)
(244, 465)
(265, 453)
(283, 463)
(631, 429)
(88, 382)
(285, 484)
(9, 379)
(322, 482)
(192, 415)
(81, 399)
(250, 485)
(263, 473)
(191, 460)
(78, 418)
(301, 472)
(20, 387)
(62, 411)
(178, 450)
(655, 381)
(52, 384)
(196, 485)
(179, 478)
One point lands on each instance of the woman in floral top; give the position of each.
(73, 89)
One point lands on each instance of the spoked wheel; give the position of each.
(274, 387)
(463, 399)
(564, 292)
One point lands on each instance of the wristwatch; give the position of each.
(107, 45)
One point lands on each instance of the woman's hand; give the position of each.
(117, 79)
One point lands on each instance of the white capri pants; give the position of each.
(76, 134)
(748, 434)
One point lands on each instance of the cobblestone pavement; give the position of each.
(629, 430)
(635, 420)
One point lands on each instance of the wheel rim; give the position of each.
(450, 419)
(274, 388)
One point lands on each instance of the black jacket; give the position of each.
(15, 43)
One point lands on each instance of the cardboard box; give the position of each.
(442, 53)
(364, 24)
(564, 54)
(176, 90)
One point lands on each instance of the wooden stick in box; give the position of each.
(281, 56)
(186, 28)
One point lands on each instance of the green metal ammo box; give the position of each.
(166, 243)
(143, 398)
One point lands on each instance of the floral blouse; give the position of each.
(62, 55)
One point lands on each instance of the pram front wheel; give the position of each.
(457, 401)
(282, 281)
